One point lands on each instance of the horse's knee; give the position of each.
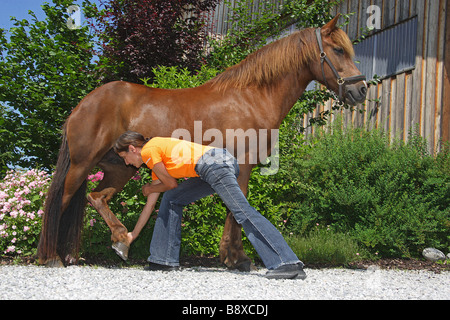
(99, 199)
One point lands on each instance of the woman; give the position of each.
(210, 170)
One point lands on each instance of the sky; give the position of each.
(19, 9)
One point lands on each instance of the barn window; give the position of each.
(388, 52)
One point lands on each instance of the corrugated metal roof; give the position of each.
(389, 52)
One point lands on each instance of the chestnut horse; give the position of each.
(255, 94)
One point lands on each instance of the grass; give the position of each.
(326, 247)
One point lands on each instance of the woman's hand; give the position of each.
(145, 190)
(130, 237)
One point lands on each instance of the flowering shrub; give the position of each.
(21, 202)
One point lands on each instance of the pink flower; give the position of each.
(10, 249)
(99, 175)
(25, 229)
(96, 177)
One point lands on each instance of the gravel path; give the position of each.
(86, 283)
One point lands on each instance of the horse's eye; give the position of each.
(339, 51)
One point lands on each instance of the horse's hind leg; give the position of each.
(116, 175)
(67, 226)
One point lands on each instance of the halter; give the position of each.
(340, 81)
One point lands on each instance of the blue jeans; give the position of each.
(217, 170)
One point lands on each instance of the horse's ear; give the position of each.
(330, 26)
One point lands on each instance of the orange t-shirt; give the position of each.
(179, 156)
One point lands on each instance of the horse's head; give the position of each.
(336, 69)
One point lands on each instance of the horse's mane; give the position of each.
(273, 60)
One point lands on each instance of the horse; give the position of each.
(255, 94)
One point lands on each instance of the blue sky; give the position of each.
(19, 9)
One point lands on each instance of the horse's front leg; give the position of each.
(119, 232)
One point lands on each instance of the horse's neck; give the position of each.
(285, 93)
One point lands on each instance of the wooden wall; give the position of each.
(414, 98)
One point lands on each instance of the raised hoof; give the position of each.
(54, 263)
(121, 249)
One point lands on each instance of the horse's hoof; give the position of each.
(121, 250)
(54, 263)
(244, 266)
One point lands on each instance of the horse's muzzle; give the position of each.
(355, 93)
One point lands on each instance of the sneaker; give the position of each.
(287, 271)
(160, 267)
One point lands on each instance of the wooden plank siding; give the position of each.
(446, 99)
(419, 97)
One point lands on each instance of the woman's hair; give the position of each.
(129, 138)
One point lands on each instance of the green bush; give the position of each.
(176, 78)
(325, 246)
(392, 198)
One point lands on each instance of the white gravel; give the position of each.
(91, 283)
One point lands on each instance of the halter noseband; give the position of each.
(340, 81)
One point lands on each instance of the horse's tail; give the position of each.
(61, 231)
